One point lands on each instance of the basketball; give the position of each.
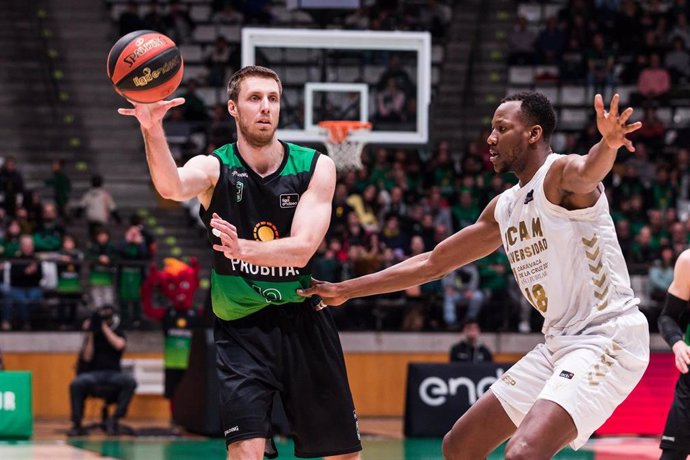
(145, 66)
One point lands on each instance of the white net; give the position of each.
(345, 151)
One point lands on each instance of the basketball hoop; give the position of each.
(345, 151)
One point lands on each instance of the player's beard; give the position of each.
(253, 135)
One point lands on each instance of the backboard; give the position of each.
(341, 75)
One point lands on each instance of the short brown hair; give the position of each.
(250, 71)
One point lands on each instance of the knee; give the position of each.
(451, 447)
(521, 450)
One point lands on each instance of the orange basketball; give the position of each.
(145, 66)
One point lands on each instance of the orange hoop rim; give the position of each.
(339, 129)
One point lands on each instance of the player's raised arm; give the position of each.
(309, 226)
(195, 178)
(471, 243)
(582, 174)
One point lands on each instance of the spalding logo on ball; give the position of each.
(145, 66)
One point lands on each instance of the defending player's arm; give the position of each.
(581, 174)
(195, 178)
(676, 304)
(309, 226)
(469, 244)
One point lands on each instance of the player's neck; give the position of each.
(264, 160)
(535, 159)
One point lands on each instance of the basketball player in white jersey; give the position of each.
(558, 234)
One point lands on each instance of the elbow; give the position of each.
(167, 193)
(430, 270)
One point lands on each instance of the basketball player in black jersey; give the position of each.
(675, 442)
(266, 205)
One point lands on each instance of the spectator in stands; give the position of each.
(465, 211)
(149, 239)
(392, 235)
(62, 187)
(550, 42)
(11, 185)
(494, 275)
(130, 20)
(396, 71)
(390, 103)
(221, 130)
(133, 255)
(680, 30)
(642, 252)
(10, 239)
(340, 210)
(625, 237)
(521, 44)
(154, 19)
(100, 364)
(600, 61)
(677, 61)
(662, 193)
(654, 81)
(258, 12)
(461, 288)
(358, 19)
(102, 258)
(69, 289)
(661, 274)
(680, 175)
(227, 15)
(194, 108)
(366, 207)
(49, 233)
(435, 17)
(326, 263)
(470, 350)
(24, 289)
(98, 206)
(180, 24)
(652, 131)
(217, 61)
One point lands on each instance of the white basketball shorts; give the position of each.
(588, 374)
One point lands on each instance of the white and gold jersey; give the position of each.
(568, 264)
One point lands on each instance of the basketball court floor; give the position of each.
(382, 440)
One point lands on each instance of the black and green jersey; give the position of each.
(262, 209)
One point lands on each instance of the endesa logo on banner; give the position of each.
(437, 394)
(435, 391)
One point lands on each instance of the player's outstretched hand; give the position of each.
(230, 244)
(327, 291)
(150, 114)
(682, 352)
(613, 126)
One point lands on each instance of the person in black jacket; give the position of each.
(470, 350)
(24, 284)
(99, 364)
(675, 441)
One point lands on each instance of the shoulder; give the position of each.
(683, 262)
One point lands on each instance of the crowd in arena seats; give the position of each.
(44, 273)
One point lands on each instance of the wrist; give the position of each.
(678, 345)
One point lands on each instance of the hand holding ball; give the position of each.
(145, 66)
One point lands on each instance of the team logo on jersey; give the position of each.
(265, 231)
(239, 187)
(529, 197)
(566, 375)
(289, 200)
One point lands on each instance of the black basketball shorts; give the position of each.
(295, 351)
(676, 434)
